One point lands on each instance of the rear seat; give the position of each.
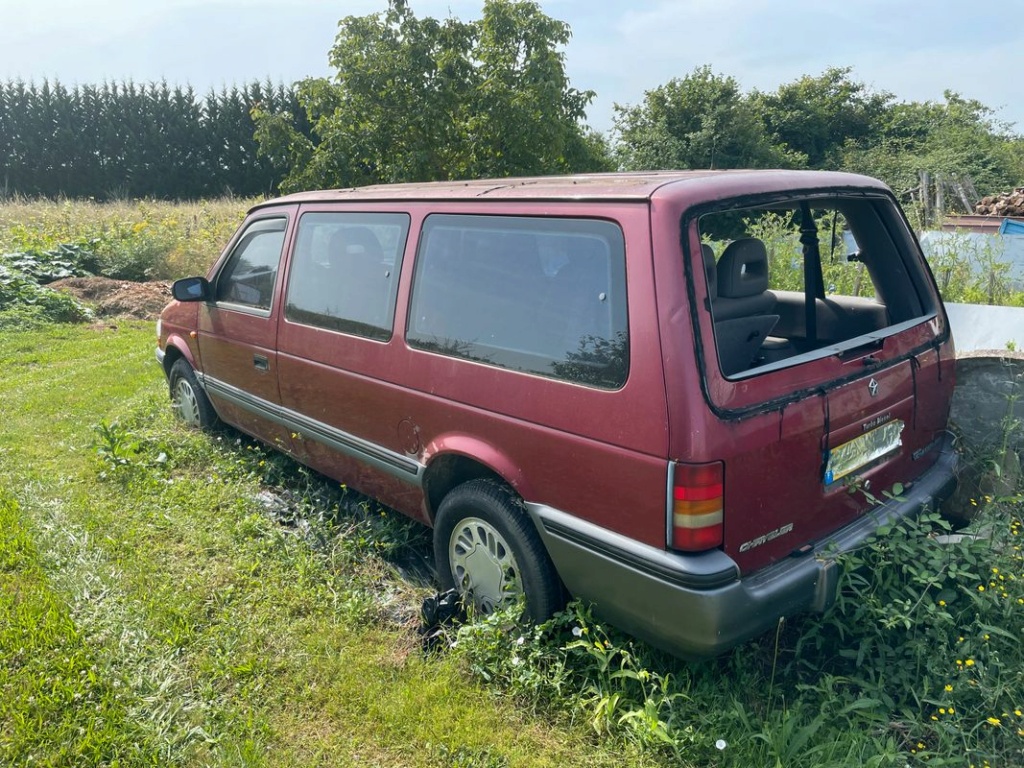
(742, 306)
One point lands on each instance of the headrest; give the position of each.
(710, 271)
(743, 269)
(355, 241)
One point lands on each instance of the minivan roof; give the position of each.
(636, 186)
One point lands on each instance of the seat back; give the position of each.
(742, 309)
(742, 277)
(710, 270)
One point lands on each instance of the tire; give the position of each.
(190, 402)
(486, 546)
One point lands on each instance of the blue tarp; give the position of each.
(1011, 227)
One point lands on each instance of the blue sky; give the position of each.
(911, 48)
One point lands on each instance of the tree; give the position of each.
(956, 139)
(131, 140)
(702, 120)
(817, 116)
(421, 99)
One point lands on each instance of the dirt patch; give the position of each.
(118, 298)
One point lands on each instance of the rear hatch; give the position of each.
(826, 365)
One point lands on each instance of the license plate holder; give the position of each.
(845, 459)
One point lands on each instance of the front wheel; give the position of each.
(190, 402)
(486, 547)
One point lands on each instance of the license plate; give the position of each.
(862, 450)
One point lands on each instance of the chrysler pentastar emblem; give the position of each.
(873, 387)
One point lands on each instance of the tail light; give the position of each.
(695, 507)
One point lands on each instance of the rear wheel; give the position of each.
(486, 547)
(190, 402)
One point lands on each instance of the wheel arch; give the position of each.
(176, 349)
(458, 460)
(448, 470)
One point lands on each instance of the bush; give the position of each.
(973, 270)
(927, 629)
(44, 267)
(25, 303)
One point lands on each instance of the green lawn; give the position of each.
(151, 612)
(169, 597)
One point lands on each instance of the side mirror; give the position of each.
(191, 289)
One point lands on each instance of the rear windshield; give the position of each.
(791, 280)
(540, 295)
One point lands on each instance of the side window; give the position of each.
(540, 295)
(344, 272)
(250, 273)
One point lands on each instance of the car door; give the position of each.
(335, 356)
(238, 331)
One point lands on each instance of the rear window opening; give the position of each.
(794, 280)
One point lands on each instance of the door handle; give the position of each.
(261, 362)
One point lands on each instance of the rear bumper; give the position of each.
(698, 606)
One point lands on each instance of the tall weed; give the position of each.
(141, 240)
(920, 658)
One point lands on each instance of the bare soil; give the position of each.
(118, 298)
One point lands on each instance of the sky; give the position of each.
(911, 48)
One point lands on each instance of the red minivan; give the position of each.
(673, 395)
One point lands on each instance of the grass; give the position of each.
(154, 613)
(174, 598)
(64, 710)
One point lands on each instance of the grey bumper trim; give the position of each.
(698, 606)
(705, 570)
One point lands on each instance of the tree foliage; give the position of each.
(704, 120)
(418, 99)
(957, 138)
(131, 140)
(817, 116)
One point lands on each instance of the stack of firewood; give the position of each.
(1006, 204)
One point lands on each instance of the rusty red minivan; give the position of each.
(674, 395)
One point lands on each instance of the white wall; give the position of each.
(977, 326)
